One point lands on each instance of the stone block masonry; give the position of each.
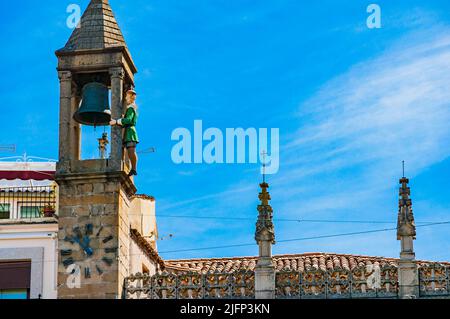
(93, 234)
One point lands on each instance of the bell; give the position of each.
(94, 108)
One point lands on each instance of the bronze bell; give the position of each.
(94, 108)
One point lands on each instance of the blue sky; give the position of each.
(351, 103)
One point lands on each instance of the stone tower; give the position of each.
(94, 195)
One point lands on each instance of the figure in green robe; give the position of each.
(130, 137)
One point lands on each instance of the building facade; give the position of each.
(28, 230)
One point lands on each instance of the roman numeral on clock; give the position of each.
(107, 261)
(66, 252)
(99, 270)
(111, 250)
(107, 239)
(68, 262)
(87, 272)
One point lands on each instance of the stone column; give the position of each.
(408, 274)
(65, 116)
(75, 127)
(408, 277)
(265, 271)
(265, 237)
(117, 77)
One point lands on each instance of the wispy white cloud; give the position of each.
(354, 133)
(394, 107)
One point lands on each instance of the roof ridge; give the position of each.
(213, 258)
(277, 256)
(285, 256)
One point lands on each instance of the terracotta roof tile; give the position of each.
(298, 262)
(344, 263)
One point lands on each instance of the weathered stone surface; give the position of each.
(94, 291)
(65, 222)
(108, 213)
(91, 199)
(99, 188)
(85, 188)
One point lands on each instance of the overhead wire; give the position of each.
(278, 241)
(302, 239)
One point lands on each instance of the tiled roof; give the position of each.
(98, 29)
(298, 262)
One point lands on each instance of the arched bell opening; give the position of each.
(92, 113)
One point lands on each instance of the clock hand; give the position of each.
(88, 250)
(84, 244)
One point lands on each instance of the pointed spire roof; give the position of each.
(98, 29)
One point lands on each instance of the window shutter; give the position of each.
(15, 275)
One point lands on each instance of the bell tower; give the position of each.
(94, 195)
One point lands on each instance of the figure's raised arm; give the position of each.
(129, 118)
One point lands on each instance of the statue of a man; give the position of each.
(128, 122)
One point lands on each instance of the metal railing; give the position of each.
(27, 202)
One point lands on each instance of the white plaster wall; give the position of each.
(138, 258)
(142, 217)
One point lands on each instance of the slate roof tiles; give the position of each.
(98, 29)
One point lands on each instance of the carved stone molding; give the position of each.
(117, 72)
(65, 76)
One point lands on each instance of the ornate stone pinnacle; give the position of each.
(405, 222)
(264, 226)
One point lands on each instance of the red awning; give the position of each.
(26, 175)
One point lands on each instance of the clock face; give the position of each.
(94, 259)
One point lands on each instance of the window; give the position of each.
(15, 279)
(14, 294)
(4, 211)
(30, 212)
